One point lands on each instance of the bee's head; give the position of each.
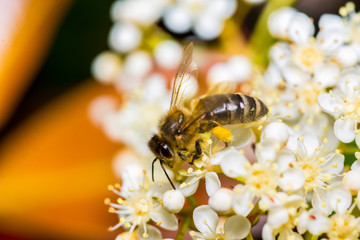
(162, 150)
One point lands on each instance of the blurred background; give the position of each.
(55, 165)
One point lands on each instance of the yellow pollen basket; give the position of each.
(222, 133)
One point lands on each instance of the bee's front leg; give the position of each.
(198, 151)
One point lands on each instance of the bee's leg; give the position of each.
(183, 154)
(198, 151)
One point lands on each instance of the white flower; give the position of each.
(136, 206)
(128, 124)
(189, 187)
(141, 12)
(313, 221)
(237, 69)
(310, 165)
(344, 102)
(173, 201)
(106, 67)
(206, 221)
(168, 53)
(204, 17)
(124, 37)
(335, 198)
(283, 208)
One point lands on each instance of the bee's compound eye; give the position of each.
(165, 151)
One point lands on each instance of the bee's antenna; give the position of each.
(152, 169)
(162, 166)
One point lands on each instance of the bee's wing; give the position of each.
(185, 71)
(221, 87)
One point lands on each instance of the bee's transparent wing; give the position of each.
(221, 87)
(185, 75)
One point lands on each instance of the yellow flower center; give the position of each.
(142, 206)
(262, 180)
(352, 108)
(343, 227)
(309, 56)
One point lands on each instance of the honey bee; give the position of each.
(180, 132)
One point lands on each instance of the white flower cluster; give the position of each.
(296, 172)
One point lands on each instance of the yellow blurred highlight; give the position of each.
(54, 172)
(29, 28)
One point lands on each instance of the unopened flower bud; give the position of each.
(220, 201)
(173, 201)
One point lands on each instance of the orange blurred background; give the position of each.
(55, 165)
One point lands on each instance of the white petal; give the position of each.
(124, 37)
(233, 164)
(352, 180)
(294, 75)
(292, 179)
(285, 160)
(241, 136)
(106, 67)
(327, 75)
(168, 54)
(267, 150)
(189, 190)
(153, 233)
(278, 217)
(278, 23)
(219, 72)
(208, 27)
(344, 130)
(221, 8)
(314, 222)
(165, 220)
(137, 64)
(280, 53)
(330, 21)
(205, 220)
(347, 56)
(349, 82)
(212, 183)
(339, 198)
(177, 19)
(267, 233)
(357, 140)
(273, 76)
(334, 163)
(311, 142)
(303, 222)
(236, 227)
(220, 201)
(319, 201)
(301, 28)
(355, 165)
(330, 40)
(330, 104)
(240, 67)
(242, 200)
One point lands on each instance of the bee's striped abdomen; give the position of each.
(232, 108)
(249, 109)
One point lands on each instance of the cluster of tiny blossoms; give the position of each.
(300, 167)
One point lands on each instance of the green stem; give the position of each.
(249, 236)
(183, 229)
(261, 40)
(192, 202)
